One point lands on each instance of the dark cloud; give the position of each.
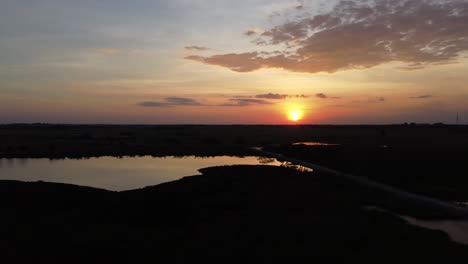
(246, 102)
(250, 32)
(181, 101)
(272, 96)
(321, 95)
(361, 34)
(242, 96)
(171, 101)
(324, 96)
(425, 96)
(377, 99)
(153, 104)
(198, 48)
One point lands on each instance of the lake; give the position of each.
(117, 174)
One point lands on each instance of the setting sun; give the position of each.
(295, 115)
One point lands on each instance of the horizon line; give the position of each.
(233, 124)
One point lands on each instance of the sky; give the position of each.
(233, 62)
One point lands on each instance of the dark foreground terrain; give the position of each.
(241, 213)
(427, 159)
(227, 215)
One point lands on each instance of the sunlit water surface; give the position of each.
(314, 144)
(113, 173)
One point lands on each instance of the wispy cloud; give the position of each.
(239, 100)
(153, 104)
(359, 35)
(253, 31)
(171, 101)
(246, 102)
(425, 96)
(181, 101)
(371, 100)
(272, 96)
(280, 96)
(197, 48)
(324, 96)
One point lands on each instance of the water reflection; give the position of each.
(314, 144)
(22, 162)
(296, 167)
(266, 160)
(118, 173)
(8, 163)
(456, 230)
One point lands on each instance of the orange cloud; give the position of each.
(359, 35)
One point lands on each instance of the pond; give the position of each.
(117, 174)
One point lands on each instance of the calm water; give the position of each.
(114, 173)
(456, 230)
(312, 144)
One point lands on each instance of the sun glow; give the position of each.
(295, 115)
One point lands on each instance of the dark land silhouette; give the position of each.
(228, 214)
(426, 159)
(235, 214)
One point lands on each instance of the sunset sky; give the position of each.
(233, 62)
